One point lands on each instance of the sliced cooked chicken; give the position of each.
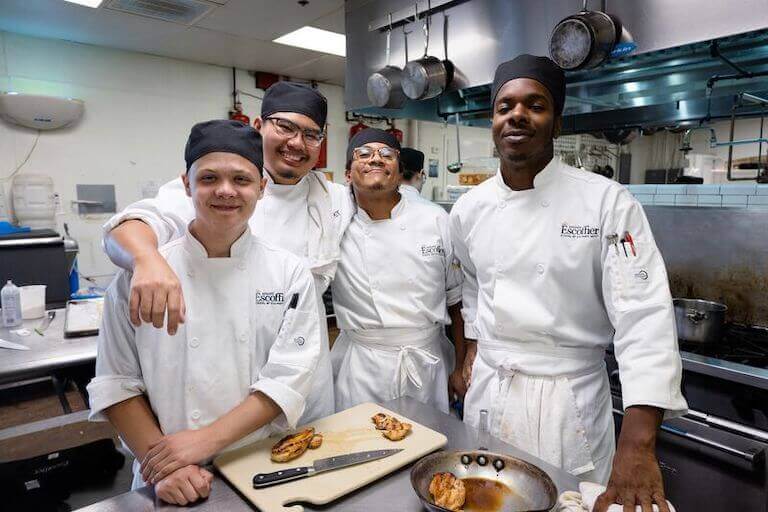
(447, 491)
(316, 441)
(292, 446)
(396, 434)
(386, 422)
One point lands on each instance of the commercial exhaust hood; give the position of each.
(692, 57)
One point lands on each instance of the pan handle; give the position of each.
(389, 37)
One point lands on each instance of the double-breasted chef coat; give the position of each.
(394, 283)
(291, 217)
(545, 292)
(241, 336)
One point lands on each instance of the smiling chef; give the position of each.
(558, 264)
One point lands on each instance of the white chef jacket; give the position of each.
(544, 294)
(283, 219)
(240, 336)
(413, 194)
(394, 283)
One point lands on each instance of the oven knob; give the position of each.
(466, 459)
(498, 464)
(482, 460)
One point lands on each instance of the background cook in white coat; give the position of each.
(392, 293)
(544, 291)
(301, 212)
(412, 175)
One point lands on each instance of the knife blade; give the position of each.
(261, 480)
(13, 346)
(45, 323)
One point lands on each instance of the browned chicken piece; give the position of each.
(386, 422)
(292, 446)
(396, 434)
(316, 441)
(447, 491)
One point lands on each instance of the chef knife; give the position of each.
(45, 323)
(339, 461)
(13, 346)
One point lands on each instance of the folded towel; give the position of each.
(584, 500)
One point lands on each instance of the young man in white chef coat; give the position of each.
(300, 212)
(412, 177)
(395, 290)
(242, 364)
(548, 285)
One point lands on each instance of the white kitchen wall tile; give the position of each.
(664, 199)
(710, 200)
(738, 189)
(735, 201)
(702, 190)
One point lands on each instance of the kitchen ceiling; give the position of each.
(232, 33)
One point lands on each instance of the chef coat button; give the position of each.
(243, 337)
(499, 327)
(241, 266)
(502, 205)
(194, 342)
(545, 203)
(195, 415)
(402, 228)
(540, 268)
(190, 273)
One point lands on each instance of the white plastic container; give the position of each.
(34, 201)
(10, 300)
(33, 301)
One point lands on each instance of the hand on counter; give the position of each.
(155, 288)
(173, 452)
(185, 485)
(636, 476)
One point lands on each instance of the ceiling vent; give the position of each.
(184, 12)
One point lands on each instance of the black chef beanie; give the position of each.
(541, 69)
(293, 97)
(412, 162)
(225, 136)
(369, 135)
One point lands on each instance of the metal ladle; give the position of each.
(456, 166)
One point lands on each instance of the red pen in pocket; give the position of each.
(628, 238)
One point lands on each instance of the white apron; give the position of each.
(376, 365)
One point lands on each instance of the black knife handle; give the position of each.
(278, 477)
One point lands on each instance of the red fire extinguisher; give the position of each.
(398, 134)
(236, 114)
(360, 126)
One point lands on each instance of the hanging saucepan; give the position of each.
(584, 40)
(428, 76)
(384, 87)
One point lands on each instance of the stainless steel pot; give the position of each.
(584, 40)
(531, 489)
(699, 321)
(384, 86)
(428, 76)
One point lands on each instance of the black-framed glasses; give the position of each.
(366, 153)
(290, 129)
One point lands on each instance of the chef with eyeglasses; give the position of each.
(300, 211)
(396, 288)
(558, 264)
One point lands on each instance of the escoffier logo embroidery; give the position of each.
(270, 297)
(579, 231)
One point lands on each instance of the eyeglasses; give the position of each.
(290, 129)
(366, 153)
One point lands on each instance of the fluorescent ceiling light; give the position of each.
(87, 3)
(316, 39)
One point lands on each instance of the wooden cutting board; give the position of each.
(344, 432)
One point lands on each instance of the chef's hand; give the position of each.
(636, 476)
(469, 360)
(176, 451)
(155, 288)
(185, 485)
(456, 385)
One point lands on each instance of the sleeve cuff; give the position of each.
(453, 296)
(469, 330)
(291, 402)
(107, 390)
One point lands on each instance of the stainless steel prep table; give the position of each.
(48, 354)
(393, 492)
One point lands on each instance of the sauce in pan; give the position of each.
(484, 495)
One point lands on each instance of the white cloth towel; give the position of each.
(584, 500)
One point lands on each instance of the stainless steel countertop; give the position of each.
(393, 492)
(47, 353)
